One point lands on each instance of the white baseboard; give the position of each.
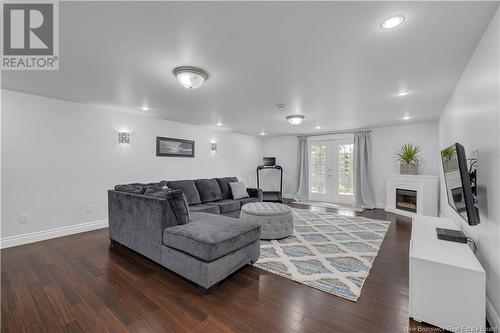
(492, 315)
(51, 233)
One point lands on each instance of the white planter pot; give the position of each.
(408, 169)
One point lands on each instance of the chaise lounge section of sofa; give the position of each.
(203, 247)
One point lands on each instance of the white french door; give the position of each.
(320, 170)
(330, 171)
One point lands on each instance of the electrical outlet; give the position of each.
(25, 218)
(90, 209)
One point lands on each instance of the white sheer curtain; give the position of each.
(303, 191)
(362, 177)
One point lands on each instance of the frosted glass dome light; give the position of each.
(190, 77)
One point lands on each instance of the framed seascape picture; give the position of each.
(174, 147)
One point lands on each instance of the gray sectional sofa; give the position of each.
(188, 227)
(214, 195)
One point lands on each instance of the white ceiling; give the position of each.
(329, 61)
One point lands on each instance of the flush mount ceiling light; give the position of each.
(145, 108)
(392, 22)
(318, 127)
(402, 93)
(262, 133)
(295, 119)
(219, 124)
(406, 118)
(190, 77)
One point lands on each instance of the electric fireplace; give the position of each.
(409, 195)
(406, 200)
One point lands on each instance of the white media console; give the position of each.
(447, 282)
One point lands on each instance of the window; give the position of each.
(318, 168)
(345, 169)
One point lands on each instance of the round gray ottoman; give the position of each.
(276, 219)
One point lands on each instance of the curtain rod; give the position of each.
(334, 132)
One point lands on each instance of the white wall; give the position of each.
(385, 142)
(471, 118)
(286, 150)
(58, 157)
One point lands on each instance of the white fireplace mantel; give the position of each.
(427, 187)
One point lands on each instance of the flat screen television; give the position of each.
(458, 183)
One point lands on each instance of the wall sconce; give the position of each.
(213, 146)
(124, 137)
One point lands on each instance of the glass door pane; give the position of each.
(343, 171)
(345, 153)
(319, 171)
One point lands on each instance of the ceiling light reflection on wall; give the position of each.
(295, 119)
(392, 22)
(190, 77)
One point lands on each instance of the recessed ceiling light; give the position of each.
(318, 127)
(406, 118)
(145, 108)
(392, 22)
(219, 124)
(262, 133)
(190, 77)
(280, 106)
(295, 119)
(402, 93)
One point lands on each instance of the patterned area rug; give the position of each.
(326, 251)
(329, 205)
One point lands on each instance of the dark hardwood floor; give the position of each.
(80, 283)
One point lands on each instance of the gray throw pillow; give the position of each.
(239, 190)
(186, 205)
(131, 188)
(177, 201)
(181, 208)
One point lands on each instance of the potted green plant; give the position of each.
(450, 161)
(409, 159)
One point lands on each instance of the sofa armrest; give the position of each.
(255, 193)
(138, 221)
